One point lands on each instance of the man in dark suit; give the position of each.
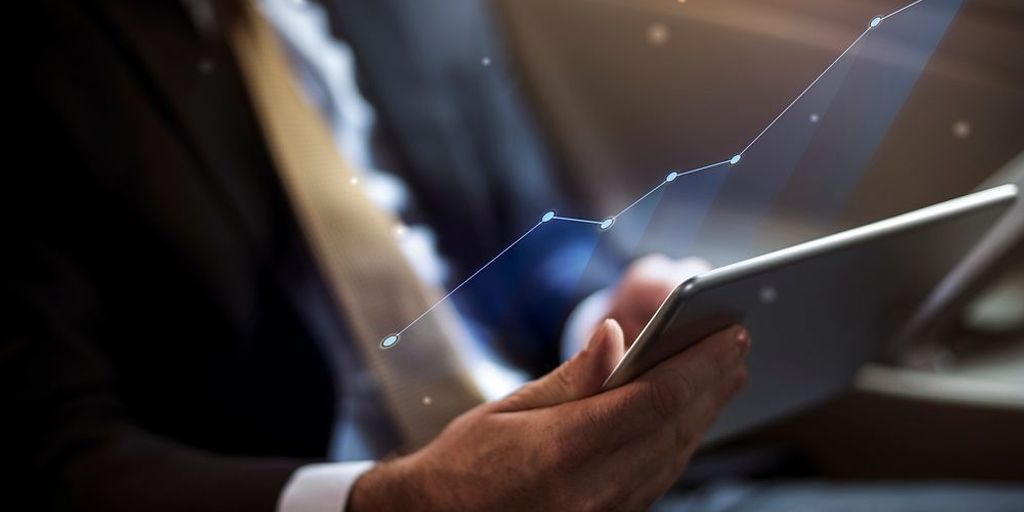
(167, 320)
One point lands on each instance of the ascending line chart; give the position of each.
(604, 224)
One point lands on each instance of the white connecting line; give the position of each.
(391, 340)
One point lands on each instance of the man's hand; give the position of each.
(560, 444)
(645, 285)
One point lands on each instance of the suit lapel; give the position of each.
(197, 87)
(196, 83)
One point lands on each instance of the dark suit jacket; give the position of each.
(155, 355)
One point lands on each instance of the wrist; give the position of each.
(391, 485)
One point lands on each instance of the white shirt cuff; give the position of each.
(583, 319)
(321, 487)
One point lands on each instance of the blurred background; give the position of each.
(928, 106)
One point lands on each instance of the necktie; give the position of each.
(422, 379)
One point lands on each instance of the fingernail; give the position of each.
(743, 339)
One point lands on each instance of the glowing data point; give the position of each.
(657, 34)
(671, 177)
(389, 341)
(962, 129)
(548, 216)
(486, 61)
(736, 159)
(876, 21)
(607, 223)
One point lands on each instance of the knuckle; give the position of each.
(722, 369)
(726, 361)
(669, 394)
(591, 419)
(565, 378)
(686, 389)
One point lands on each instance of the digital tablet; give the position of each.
(819, 310)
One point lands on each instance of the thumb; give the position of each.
(575, 379)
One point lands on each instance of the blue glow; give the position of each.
(876, 21)
(548, 216)
(607, 223)
(389, 341)
(671, 177)
(736, 159)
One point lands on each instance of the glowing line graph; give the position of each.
(391, 340)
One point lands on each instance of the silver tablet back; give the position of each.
(819, 310)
